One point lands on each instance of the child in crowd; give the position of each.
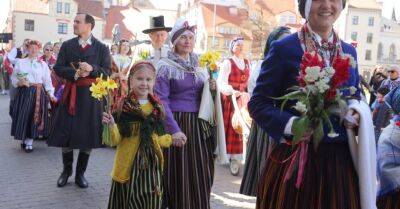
(139, 134)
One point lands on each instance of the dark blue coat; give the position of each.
(278, 73)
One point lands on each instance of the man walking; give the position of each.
(77, 123)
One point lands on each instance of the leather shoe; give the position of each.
(81, 181)
(63, 179)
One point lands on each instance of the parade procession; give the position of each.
(197, 104)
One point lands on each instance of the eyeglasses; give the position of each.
(48, 50)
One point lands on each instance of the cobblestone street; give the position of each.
(28, 181)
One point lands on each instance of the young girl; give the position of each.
(139, 134)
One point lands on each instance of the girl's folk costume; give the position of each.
(259, 146)
(30, 115)
(329, 180)
(233, 77)
(388, 157)
(137, 172)
(189, 170)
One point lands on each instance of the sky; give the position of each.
(4, 8)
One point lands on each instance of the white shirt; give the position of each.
(254, 73)
(157, 54)
(224, 73)
(83, 42)
(122, 63)
(37, 72)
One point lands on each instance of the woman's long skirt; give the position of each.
(329, 182)
(23, 124)
(234, 141)
(389, 201)
(258, 147)
(189, 171)
(142, 191)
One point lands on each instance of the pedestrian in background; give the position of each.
(382, 112)
(2, 74)
(31, 78)
(393, 79)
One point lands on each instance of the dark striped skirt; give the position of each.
(23, 115)
(142, 191)
(189, 171)
(258, 147)
(389, 201)
(329, 182)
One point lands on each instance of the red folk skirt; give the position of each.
(234, 141)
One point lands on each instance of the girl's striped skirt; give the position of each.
(258, 147)
(329, 181)
(143, 190)
(189, 171)
(30, 114)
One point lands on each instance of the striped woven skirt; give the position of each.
(389, 201)
(258, 147)
(142, 191)
(30, 113)
(329, 181)
(189, 171)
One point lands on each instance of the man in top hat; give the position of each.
(158, 34)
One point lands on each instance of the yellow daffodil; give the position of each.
(110, 84)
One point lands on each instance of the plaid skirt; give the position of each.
(329, 181)
(258, 148)
(23, 124)
(234, 141)
(189, 171)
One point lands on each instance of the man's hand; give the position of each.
(85, 67)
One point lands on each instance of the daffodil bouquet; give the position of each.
(209, 61)
(101, 90)
(144, 54)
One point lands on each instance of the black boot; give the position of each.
(68, 159)
(81, 165)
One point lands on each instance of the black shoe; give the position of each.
(68, 159)
(23, 145)
(81, 181)
(81, 165)
(28, 148)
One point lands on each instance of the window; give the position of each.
(215, 42)
(355, 20)
(392, 53)
(67, 8)
(227, 43)
(380, 51)
(221, 30)
(354, 36)
(29, 25)
(62, 28)
(369, 38)
(371, 21)
(59, 7)
(368, 55)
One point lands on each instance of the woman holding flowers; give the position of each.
(259, 144)
(189, 164)
(31, 77)
(233, 80)
(312, 166)
(139, 135)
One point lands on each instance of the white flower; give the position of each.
(322, 85)
(312, 73)
(301, 107)
(312, 88)
(333, 134)
(330, 71)
(353, 90)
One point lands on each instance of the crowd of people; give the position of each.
(166, 153)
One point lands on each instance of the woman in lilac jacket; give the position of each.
(189, 166)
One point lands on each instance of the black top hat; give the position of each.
(156, 24)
